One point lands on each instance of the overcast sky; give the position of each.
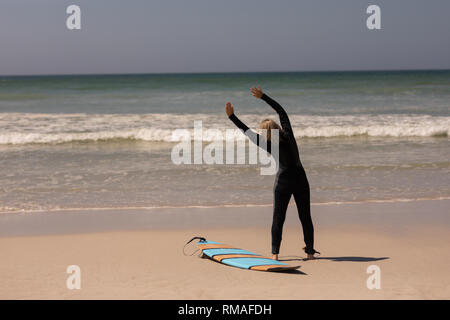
(153, 36)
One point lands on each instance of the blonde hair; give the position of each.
(268, 124)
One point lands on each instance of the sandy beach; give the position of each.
(139, 254)
(127, 132)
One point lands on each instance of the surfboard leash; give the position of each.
(196, 237)
(304, 249)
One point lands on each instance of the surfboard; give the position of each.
(240, 258)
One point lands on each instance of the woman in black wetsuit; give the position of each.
(291, 177)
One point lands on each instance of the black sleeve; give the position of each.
(252, 135)
(238, 122)
(284, 119)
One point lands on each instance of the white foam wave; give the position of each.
(27, 128)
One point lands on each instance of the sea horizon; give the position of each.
(225, 72)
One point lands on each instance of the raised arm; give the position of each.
(284, 119)
(252, 135)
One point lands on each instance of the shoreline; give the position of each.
(391, 215)
(61, 210)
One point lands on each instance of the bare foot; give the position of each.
(275, 256)
(310, 257)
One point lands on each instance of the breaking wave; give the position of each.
(29, 128)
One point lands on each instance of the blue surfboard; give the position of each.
(240, 258)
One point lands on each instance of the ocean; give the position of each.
(105, 141)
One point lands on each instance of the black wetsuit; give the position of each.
(290, 179)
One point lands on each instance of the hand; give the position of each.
(257, 92)
(229, 109)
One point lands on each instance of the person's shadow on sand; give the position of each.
(337, 259)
